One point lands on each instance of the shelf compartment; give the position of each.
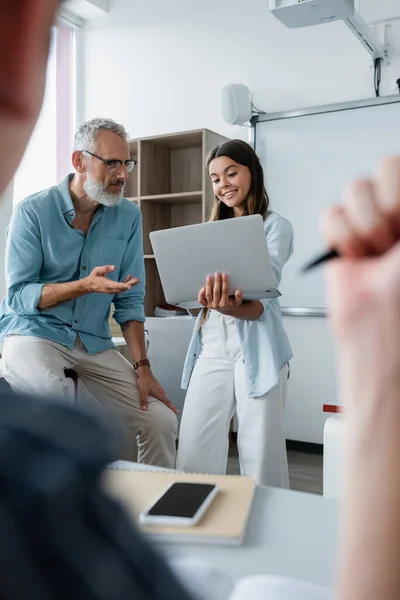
(154, 292)
(171, 164)
(159, 215)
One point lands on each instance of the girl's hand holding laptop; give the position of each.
(215, 294)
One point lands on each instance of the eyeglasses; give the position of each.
(114, 165)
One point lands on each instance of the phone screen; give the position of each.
(182, 500)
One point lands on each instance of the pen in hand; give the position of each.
(323, 258)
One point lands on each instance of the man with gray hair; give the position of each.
(72, 250)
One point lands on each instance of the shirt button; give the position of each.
(83, 268)
(71, 214)
(76, 321)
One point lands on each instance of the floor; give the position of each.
(305, 470)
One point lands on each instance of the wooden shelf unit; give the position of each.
(172, 189)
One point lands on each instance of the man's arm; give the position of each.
(24, 259)
(133, 332)
(129, 313)
(54, 294)
(148, 385)
(26, 295)
(129, 305)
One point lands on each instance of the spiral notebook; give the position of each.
(224, 522)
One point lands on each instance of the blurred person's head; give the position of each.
(64, 537)
(25, 30)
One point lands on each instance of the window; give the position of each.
(47, 158)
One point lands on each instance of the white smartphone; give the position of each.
(180, 504)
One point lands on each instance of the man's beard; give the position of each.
(96, 191)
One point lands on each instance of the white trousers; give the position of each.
(33, 365)
(217, 389)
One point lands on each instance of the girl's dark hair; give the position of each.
(257, 202)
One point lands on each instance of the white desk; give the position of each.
(169, 341)
(289, 533)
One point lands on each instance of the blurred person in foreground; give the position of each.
(62, 537)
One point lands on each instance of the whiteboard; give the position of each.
(307, 161)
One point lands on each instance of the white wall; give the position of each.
(157, 66)
(32, 176)
(86, 9)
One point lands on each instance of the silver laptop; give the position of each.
(237, 247)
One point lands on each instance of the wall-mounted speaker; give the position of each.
(235, 103)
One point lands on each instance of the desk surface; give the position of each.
(289, 533)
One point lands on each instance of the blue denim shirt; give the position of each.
(43, 247)
(265, 345)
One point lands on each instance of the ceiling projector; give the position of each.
(304, 13)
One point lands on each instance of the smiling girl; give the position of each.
(238, 357)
